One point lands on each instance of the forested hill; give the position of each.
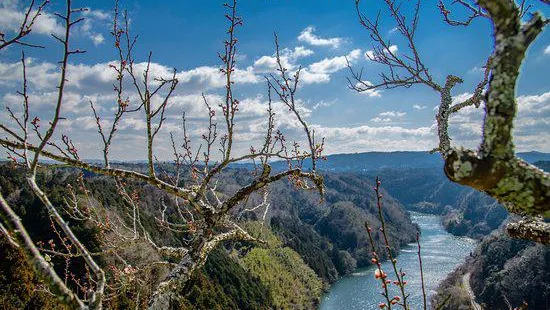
(503, 274)
(309, 244)
(544, 165)
(369, 161)
(465, 211)
(417, 180)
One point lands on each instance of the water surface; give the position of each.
(441, 253)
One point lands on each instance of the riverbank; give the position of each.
(441, 253)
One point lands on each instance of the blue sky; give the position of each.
(316, 35)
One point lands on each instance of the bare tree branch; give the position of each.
(494, 168)
(31, 14)
(190, 206)
(474, 11)
(40, 265)
(534, 229)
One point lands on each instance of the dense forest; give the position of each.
(503, 273)
(309, 245)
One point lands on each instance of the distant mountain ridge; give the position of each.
(356, 162)
(369, 161)
(402, 159)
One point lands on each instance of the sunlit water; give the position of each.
(441, 253)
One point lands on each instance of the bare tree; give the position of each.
(493, 168)
(190, 205)
(31, 14)
(399, 300)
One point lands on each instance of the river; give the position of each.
(441, 253)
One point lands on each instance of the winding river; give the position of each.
(441, 253)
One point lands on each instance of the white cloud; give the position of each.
(476, 70)
(323, 104)
(381, 120)
(461, 97)
(98, 39)
(96, 14)
(372, 93)
(206, 77)
(418, 107)
(297, 52)
(372, 55)
(45, 23)
(73, 103)
(368, 92)
(251, 117)
(393, 114)
(100, 77)
(9, 4)
(308, 77)
(547, 50)
(331, 65)
(388, 116)
(240, 57)
(79, 124)
(309, 37)
(288, 57)
(40, 75)
(380, 138)
(534, 104)
(369, 54)
(193, 105)
(94, 19)
(209, 77)
(531, 125)
(345, 132)
(133, 123)
(267, 64)
(319, 72)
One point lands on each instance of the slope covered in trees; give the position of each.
(329, 238)
(504, 273)
(466, 212)
(309, 244)
(417, 180)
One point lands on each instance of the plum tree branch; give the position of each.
(493, 168)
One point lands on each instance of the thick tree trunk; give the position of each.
(169, 292)
(494, 169)
(523, 188)
(531, 229)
